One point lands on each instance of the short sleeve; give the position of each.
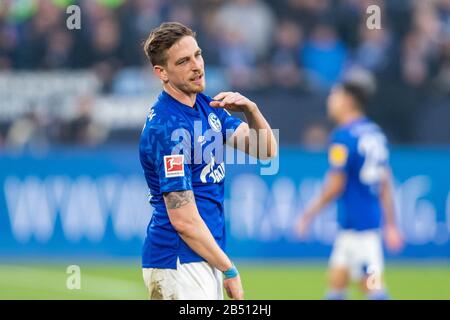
(171, 161)
(339, 153)
(229, 123)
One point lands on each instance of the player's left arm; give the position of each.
(393, 238)
(261, 145)
(333, 187)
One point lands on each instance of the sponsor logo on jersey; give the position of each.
(213, 172)
(201, 140)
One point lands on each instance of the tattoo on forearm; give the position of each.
(175, 200)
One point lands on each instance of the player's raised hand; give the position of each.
(394, 241)
(233, 287)
(233, 101)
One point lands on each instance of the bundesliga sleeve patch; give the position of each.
(338, 155)
(174, 165)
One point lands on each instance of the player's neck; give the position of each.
(180, 96)
(351, 117)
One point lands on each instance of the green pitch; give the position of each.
(123, 280)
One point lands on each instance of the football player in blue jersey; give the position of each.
(360, 177)
(184, 253)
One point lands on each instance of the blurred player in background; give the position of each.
(183, 254)
(360, 177)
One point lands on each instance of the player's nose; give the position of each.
(196, 65)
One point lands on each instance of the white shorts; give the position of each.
(361, 252)
(190, 281)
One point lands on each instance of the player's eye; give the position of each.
(182, 61)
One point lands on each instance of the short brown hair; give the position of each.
(162, 38)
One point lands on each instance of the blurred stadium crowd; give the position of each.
(284, 54)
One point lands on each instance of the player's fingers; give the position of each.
(240, 100)
(395, 244)
(229, 293)
(228, 100)
(231, 99)
(234, 294)
(227, 288)
(214, 104)
(222, 95)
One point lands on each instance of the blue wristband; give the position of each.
(231, 273)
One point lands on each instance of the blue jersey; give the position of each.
(176, 156)
(359, 149)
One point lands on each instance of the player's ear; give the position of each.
(161, 73)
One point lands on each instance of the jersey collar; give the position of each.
(166, 97)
